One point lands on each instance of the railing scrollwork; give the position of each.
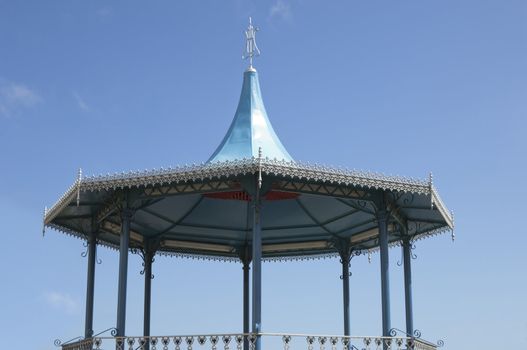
(272, 340)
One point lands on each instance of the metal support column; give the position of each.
(148, 260)
(246, 302)
(257, 273)
(90, 284)
(126, 217)
(345, 261)
(382, 218)
(407, 258)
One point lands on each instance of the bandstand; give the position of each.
(250, 202)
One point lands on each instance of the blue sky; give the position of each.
(406, 87)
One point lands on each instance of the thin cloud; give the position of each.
(62, 302)
(280, 9)
(15, 97)
(80, 101)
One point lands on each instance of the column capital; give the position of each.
(382, 214)
(245, 254)
(406, 241)
(127, 213)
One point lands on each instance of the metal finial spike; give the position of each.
(79, 180)
(259, 167)
(44, 221)
(453, 233)
(431, 185)
(251, 49)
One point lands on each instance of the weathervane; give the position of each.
(251, 50)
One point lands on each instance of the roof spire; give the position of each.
(251, 49)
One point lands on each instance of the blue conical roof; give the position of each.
(250, 128)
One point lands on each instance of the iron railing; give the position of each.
(270, 341)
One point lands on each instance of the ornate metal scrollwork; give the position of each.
(226, 340)
(440, 343)
(214, 341)
(153, 342)
(333, 341)
(239, 341)
(131, 342)
(84, 254)
(189, 341)
(202, 339)
(310, 340)
(345, 342)
(395, 331)
(59, 343)
(252, 341)
(322, 341)
(413, 256)
(112, 330)
(165, 341)
(177, 342)
(286, 339)
(410, 200)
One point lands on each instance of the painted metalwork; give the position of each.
(235, 342)
(358, 193)
(90, 284)
(148, 255)
(382, 218)
(210, 210)
(407, 247)
(346, 253)
(250, 128)
(251, 49)
(257, 265)
(416, 335)
(246, 258)
(126, 217)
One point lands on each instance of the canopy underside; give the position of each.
(215, 218)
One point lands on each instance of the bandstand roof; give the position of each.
(205, 210)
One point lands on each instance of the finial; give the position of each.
(431, 184)
(453, 233)
(251, 49)
(44, 221)
(259, 167)
(79, 180)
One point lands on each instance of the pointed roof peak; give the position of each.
(251, 134)
(250, 129)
